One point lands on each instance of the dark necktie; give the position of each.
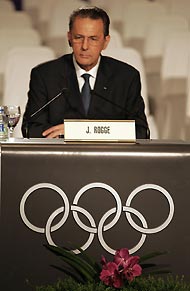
(86, 92)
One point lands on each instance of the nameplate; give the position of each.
(99, 130)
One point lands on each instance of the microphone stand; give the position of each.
(40, 109)
(120, 107)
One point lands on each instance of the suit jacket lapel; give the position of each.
(102, 86)
(73, 94)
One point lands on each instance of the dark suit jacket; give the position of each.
(117, 82)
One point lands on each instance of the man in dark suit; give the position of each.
(116, 85)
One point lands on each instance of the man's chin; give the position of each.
(85, 65)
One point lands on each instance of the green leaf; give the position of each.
(90, 260)
(80, 269)
(152, 255)
(145, 266)
(78, 264)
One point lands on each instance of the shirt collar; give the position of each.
(80, 71)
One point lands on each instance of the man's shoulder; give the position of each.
(116, 64)
(54, 64)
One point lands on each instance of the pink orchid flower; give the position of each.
(130, 265)
(123, 267)
(133, 270)
(121, 256)
(103, 262)
(111, 276)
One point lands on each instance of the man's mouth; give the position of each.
(84, 56)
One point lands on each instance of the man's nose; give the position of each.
(85, 43)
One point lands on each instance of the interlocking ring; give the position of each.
(30, 191)
(97, 228)
(170, 215)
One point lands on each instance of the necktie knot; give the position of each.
(86, 77)
(86, 92)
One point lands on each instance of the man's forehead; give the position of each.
(78, 19)
(88, 27)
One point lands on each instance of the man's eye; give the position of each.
(94, 38)
(78, 37)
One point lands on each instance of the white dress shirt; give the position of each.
(80, 72)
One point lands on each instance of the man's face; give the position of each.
(87, 41)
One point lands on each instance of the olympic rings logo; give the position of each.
(101, 227)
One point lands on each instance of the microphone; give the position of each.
(109, 101)
(142, 123)
(49, 102)
(40, 109)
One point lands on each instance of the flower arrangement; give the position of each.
(124, 267)
(124, 273)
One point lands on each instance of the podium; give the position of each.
(96, 196)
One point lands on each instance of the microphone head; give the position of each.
(63, 90)
(49, 102)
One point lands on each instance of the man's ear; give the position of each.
(106, 42)
(69, 38)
